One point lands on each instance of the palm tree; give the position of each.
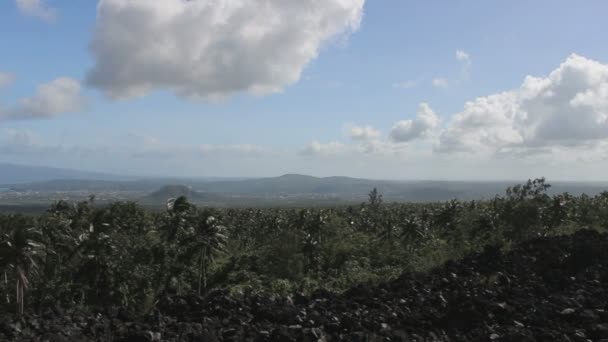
(174, 228)
(388, 224)
(20, 249)
(207, 241)
(94, 253)
(372, 211)
(413, 231)
(312, 225)
(176, 221)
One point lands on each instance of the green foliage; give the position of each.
(122, 255)
(20, 253)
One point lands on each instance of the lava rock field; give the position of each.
(546, 289)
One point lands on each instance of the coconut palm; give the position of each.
(413, 231)
(313, 226)
(174, 228)
(206, 241)
(20, 252)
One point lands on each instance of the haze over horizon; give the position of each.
(37, 173)
(379, 90)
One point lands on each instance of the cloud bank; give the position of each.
(548, 120)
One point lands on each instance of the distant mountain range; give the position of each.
(16, 174)
(286, 188)
(50, 178)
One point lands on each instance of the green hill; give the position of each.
(175, 191)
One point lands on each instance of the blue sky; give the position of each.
(343, 98)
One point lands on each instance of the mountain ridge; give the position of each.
(291, 185)
(17, 173)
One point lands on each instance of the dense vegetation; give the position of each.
(85, 255)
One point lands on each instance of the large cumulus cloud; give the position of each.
(567, 108)
(212, 49)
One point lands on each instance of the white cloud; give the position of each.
(440, 82)
(466, 62)
(407, 130)
(60, 96)
(6, 79)
(36, 8)
(367, 140)
(20, 142)
(145, 146)
(212, 49)
(363, 133)
(13, 136)
(25, 146)
(316, 148)
(243, 149)
(567, 108)
(463, 57)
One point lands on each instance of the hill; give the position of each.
(289, 189)
(422, 190)
(175, 191)
(294, 183)
(16, 174)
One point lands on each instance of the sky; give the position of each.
(386, 89)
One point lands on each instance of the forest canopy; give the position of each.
(124, 256)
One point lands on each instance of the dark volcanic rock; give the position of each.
(546, 289)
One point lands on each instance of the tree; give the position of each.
(533, 189)
(521, 212)
(208, 239)
(312, 225)
(412, 233)
(370, 212)
(95, 258)
(388, 224)
(374, 198)
(20, 251)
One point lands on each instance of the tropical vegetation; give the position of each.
(125, 256)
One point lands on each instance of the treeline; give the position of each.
(124, 256)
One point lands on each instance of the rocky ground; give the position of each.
(547, 289)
